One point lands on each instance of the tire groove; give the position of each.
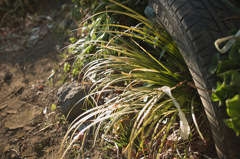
(197, 37)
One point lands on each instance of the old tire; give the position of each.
(194, 26)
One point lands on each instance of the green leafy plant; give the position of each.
(141, 68)
(94, 27)
(227, 92)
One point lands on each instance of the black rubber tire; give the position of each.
(194, 26)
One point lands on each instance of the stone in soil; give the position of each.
(70, 98)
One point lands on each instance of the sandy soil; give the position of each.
(25, 131)
(30, 126)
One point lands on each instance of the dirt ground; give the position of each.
(25, 132)
(31, 123)
(30, 126)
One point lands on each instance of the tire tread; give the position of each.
(202, 22)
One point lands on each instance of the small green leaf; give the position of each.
(221, 92)
(229, 123)
(214, 65)
(233, 123)
(226, 77)
(233, 106)
(234, 54)
(215, 98)
(54, 107)
(74, 72)
(73, 40)
(66, 67)
(235, 79)
(227, 65)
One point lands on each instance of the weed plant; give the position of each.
(227, 91)
(140, 67)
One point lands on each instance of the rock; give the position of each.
(69, 96)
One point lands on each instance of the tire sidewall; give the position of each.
(167, 18)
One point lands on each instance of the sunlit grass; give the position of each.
(142, 65)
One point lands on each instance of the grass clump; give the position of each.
(140, 67)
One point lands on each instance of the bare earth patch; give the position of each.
(29, 128)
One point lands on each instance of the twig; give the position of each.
(181, 83)
(13, 150)
(32, 130)
(202, 89)
(45, 128)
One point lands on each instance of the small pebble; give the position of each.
(40, 88)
